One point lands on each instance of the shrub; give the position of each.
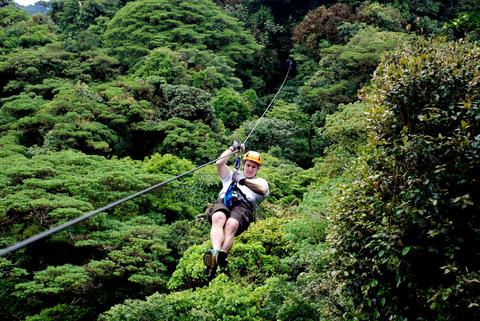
(404, 233)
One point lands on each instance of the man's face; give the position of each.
(250, 169)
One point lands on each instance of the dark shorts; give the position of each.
(240, 211)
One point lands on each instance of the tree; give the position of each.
(10, 15)
(385, 17)
(407, 225)
(231, 108)
(344, 69)
(191, 140)
(72, 15)
(346, 133)
(320, 24)
(188, 103)
(164, 63)
(144, 25)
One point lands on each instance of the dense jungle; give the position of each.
(371, 150)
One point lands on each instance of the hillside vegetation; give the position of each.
(371, 150)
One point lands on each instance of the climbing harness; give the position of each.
(229, 195)
(86, 216)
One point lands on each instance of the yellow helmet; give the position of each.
(253, 156)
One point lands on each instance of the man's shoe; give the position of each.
(222, 259)
(210, 260)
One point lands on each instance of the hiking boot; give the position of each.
(222, 259)
(210, 260)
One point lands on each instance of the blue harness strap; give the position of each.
(228, 198)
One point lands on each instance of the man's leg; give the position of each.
(217, 235)
(231, 227)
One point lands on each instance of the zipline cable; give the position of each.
(271, 102)
(86, 216)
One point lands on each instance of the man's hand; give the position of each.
(238, 177)
(237, 146)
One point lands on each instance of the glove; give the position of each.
(238, 146)
(238, 177)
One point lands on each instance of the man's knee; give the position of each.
(219, 218)
(231, 226)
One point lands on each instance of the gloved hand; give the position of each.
(237, 146)
(238, 177)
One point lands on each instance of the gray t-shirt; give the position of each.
(252, 197)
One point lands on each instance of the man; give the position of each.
(232, 213)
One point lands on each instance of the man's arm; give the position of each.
(257, 185)
(222, 168)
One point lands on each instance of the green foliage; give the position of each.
(191, 140)
(103, 119)
(10, 275)
(72, 120)
(67, 282)
(465, 25)
(21, 31)
(385, 17)
(9, 144)
(223, 299)
(283, 191)
(231, 107)
(65, 312)
(71, 15)
(282, 301)
(148, 24)
(190, 269)
(6, 3)
(263, 26)
(56, 281)
(346, 132)
(10, 15)
(135, 251)
(167, 164)
(16, 107)
(344, 69)
(42, 190)
(164, 63)
(188, 102)
(123, 254)
(279, 137)
(189, 66)
(117, 78)
(348, 125)
(32, 66)
(255, 256)
(271, 234)
(406, 227)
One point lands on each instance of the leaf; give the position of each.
(405, 250)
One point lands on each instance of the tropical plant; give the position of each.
(141, 26)
(406, 227)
